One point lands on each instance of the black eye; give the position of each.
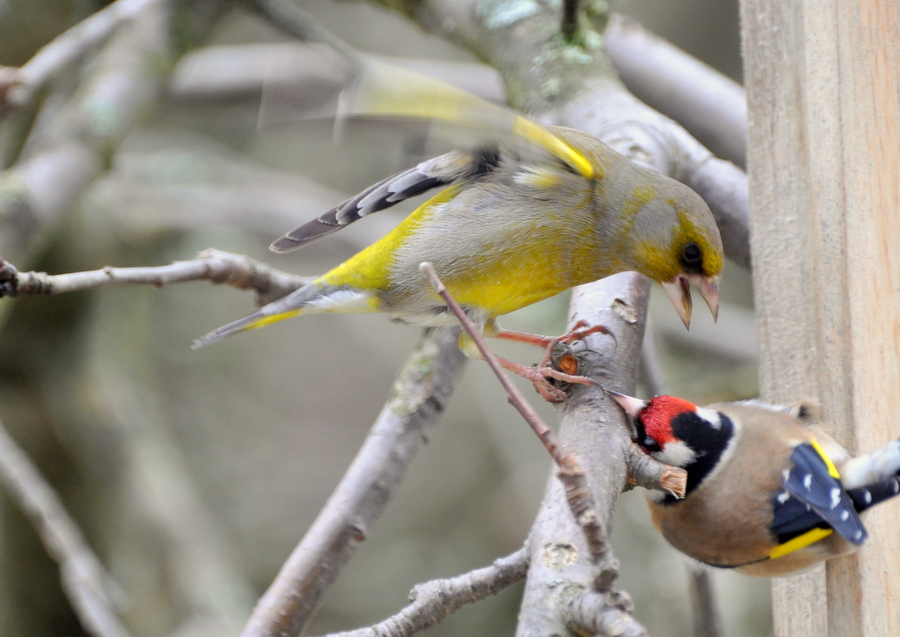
(650, 445)
(691, 256)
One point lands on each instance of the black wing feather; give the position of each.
(810, 484)
(440, 171)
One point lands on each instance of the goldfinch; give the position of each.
(768, 491)
(528, 212)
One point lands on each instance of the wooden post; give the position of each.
(823, 87)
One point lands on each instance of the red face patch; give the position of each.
(657, 417)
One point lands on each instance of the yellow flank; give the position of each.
(527, 275)
(268, 320)
(370, 268)
(801, 541)
(544, 138)
(832, 470)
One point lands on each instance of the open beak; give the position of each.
(679, 292)
(631, 406)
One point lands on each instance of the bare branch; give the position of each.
(710, 105)
(66, 49)
(63, 157)
(435, 600)
(214, 265)
(85, 581)
(416, 403)
(591, 611)
(707, 622)
(594, 429)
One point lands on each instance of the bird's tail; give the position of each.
(251, 322)
(286, 307)
(873, 478)
(313, 298)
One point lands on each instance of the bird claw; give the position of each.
(544, 373)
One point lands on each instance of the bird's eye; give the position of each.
(691, 256)
(650, 445)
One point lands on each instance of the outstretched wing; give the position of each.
(434, 173)
(381, 89)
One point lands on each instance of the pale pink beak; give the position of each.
(678, 290)
(630, 405)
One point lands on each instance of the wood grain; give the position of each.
(824, 161)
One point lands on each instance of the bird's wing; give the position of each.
(434, 173)
(383, 90)
(814, 482)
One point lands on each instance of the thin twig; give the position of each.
(578, 493)
(67, 48)
(433, 601)
(216, 266)
(417, 401)
(85, 581)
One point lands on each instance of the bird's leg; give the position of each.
(578, 332)
(541, 374)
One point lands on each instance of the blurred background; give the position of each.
(194, 474)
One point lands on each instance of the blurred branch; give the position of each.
(214, 265)
(63, 157)
(246, 70)
(433, 601)
(416, 403)
(707, 622)
(85, 581)
(710, 105)
(297, 23)
(18, 86)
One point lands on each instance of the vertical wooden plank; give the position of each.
(781, 242)
(868, 66)
(823, 85)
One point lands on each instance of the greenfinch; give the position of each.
(528, 212)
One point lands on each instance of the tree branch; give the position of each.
(216, 266)
(417, 401)
(86, 583)
(710, 105)
(67, 48)
(435, 600)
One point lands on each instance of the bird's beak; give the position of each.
(631, 406)
(678, 290)
(708, 287)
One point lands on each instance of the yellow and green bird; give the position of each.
(527, 213)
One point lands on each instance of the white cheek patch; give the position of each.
(677, 454)
(711, 416)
